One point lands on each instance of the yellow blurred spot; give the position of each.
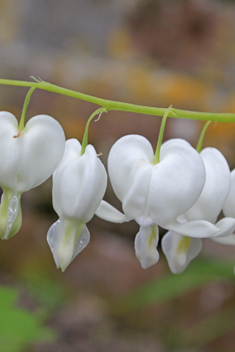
(120, 44)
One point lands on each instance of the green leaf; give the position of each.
(18, 327)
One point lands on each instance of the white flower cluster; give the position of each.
(184, 192)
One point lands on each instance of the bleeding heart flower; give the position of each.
(27, 157)
(155, 194)
(180, 249)
(79, 184)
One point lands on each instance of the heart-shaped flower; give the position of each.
(79, 184)
(180, 249)
(155, 194)
(27, 157)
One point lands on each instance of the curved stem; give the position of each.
(115, 105)
(85, 136)
(26, 103)
(156, 159)
(200, 141)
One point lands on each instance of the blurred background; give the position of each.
(149, 52)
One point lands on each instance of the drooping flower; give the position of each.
(229, 211)
(79, 184)
(27, 158)
(155, 194)
(180, 249)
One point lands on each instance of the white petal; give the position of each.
(227, 240)
(176, 182)
(10, 214)
(146, 242)
(225, 236)
(107, 212)
(10, 150)
(43, 149)
(216, 188)
(229, 205)
(72, 152)
(226, 226)
(126, 157)
(180, 250)
(197, 228)
(67, 238)
(130, 166)
(81, 186)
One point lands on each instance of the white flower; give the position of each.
(229, 211)
(180, 249)
(155, 194)
(27, 159)
(79, 184)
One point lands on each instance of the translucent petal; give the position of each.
(82, 241)
(107, 212)
(12, 213)
(180, 250)
(53, 239)
(66, 239)
(229, 205)
(146, 242)
(176, 182)
(216, 188)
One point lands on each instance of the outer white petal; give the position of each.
(229, 205)
(42, 150)
(176, 182)
(130, 167)
(72, 152)
(128, 155)
(82, 186)
(215, 190)
(10, 150)
(107, 212)
(173, 140)
(180, 250)
(197, 228)
(146, 242)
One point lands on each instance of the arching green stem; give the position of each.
(26, 103)
(199, 145)
(159, 142)
(116, 105)
(85, 136)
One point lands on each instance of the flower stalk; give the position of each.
(120, 106)
(156, 159)
(26, 103)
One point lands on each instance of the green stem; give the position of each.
(115, 105)
(85, 136)
(199, 145)
(26, 103)
(156, 159)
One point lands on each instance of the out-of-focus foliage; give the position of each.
(18, 327)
